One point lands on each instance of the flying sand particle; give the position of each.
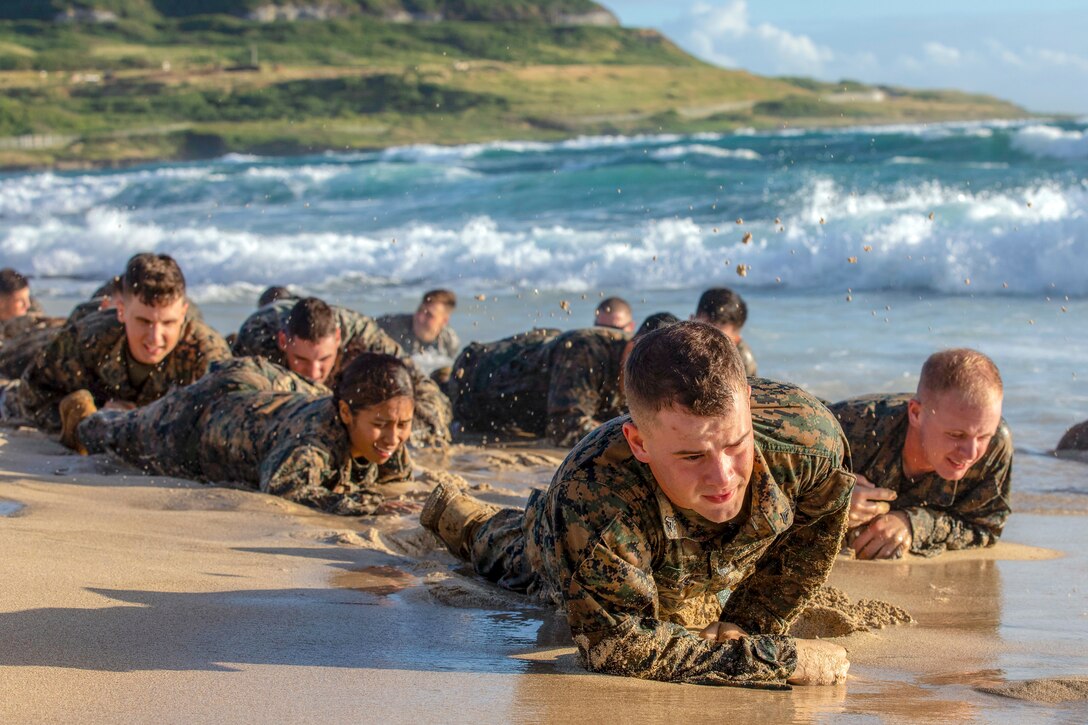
(481, 298)
(852, 260)
(867, 248)
(747, 238)
(742, 270)
(739, 220)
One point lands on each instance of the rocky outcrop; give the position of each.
(312, 11)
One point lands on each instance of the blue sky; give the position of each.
(1034, 54)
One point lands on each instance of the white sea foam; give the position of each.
(907, 160)
(1051, 142)
(676, 152)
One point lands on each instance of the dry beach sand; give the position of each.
(136, 599)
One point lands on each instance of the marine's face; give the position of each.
(730, 331)
(701, 463)
(378, 431)
(152, 331)
(312, 359)
(429, 321)
(617, 319)
(954, 433)
(14, 305)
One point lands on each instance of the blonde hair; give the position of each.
(967, 372)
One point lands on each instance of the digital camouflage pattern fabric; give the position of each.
(17, 327)
(606, 542)
(943, 514)
(92, 354)
(748, 358)
(18, 352)
(399, 327)
(559, 385)
(253, 422)
(358, 334)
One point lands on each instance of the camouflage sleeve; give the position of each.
(301, 475)
(56, 371)
(971, 518)
(433, 412)
(799, 561)
(611, 602)
(574, 395)
(367, 336)
(212, 348)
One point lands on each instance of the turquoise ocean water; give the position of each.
(869, 248)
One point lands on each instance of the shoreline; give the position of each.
(141, 598)
(299, 149)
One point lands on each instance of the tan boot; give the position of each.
(454, 517)
(74, 407)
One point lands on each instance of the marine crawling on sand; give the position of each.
(253, 422)
(934, 469)
(708, 486)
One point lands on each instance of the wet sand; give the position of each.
(129, 598)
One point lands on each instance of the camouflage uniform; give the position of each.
(559, 385)
(93, 354)
(252, 422)
(358, 334)
(748, 358)
(17, 327)
(399, 327)
(606, 541)
(943, 514)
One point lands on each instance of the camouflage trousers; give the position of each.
(500, 554)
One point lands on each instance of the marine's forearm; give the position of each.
(933, 530)
(787, 576)
(655, 650)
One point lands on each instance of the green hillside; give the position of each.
(150, 80)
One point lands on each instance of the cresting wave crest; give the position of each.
(420, 216)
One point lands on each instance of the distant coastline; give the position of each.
(122, 90)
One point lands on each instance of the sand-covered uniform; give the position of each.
(748, 358)
(358, 334)
(543, 382)
(92, 354)
(943, 514)
(399, 327)
(606, 542)
(249, 421)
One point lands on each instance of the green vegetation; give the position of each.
(157, 84)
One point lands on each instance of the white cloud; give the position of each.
(941, 54)
(1059, 58)
(725, 35)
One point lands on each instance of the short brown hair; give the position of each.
(11, 281)
(154, 279)
(440, 297)
(686, 364)
(722, 306)
(310, 319)
(961, 370)
(373, 378)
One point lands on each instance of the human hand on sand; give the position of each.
(819, 663)
(722, 632)
(868, 501)
(885, 537)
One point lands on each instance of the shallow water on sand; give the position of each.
(10, 508)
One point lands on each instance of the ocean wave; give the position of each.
(1051, 142)
(916, 160)
(975, 243)
(676, 152)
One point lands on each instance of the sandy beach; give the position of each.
(146, 599)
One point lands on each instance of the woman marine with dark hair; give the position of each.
(252, 422)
